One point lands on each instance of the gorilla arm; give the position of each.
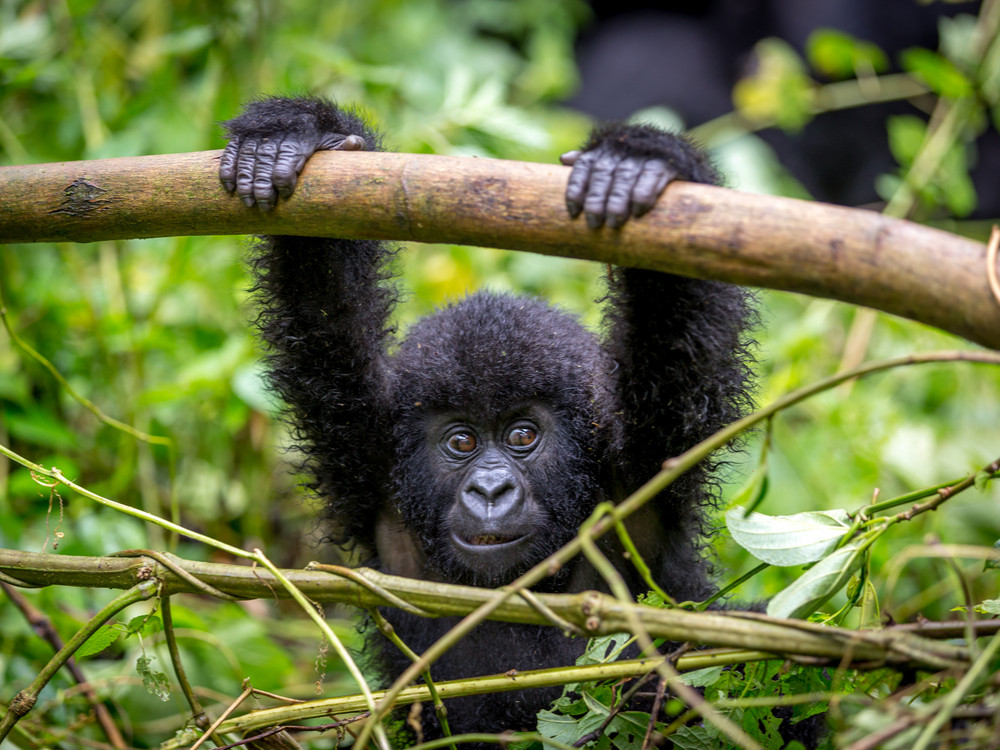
(682, 367)
(325, 306)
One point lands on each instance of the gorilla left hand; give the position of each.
(261, 166)
(609, 187)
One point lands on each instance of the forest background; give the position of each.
(156, 332)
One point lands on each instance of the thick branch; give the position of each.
(592, 612)
(696, 230)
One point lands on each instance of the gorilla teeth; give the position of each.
(488, 539)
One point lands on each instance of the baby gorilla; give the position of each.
(475, 447)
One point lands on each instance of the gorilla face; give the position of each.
(493, 516)
(490, 496)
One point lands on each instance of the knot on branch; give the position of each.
(592, 607)
(23, 702)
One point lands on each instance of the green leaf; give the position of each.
(761, 725)
(788, 540)
(702, 677)
(603, 649)
(982, 480)
(939, 73)
(906, 136)
(953, 184)
(779, 90)
(698, 738)
(628, 729)
(989, 607)
(100, 640)
(156, 683)
(567, 729)
(596, 706)
(993, 563)
(814, 587)
(145, 625)
(39, 427)
(840, 55)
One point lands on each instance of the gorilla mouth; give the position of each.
(489, 540)
(486, 542)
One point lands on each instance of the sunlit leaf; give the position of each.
(778, 91)
(839, 55)
(939, 73)
(814, 587)
(989, 607)
(788, 540)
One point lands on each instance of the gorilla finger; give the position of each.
(656, 175)
(289, 159)
(227, 165)
(246, 165)
(353, 143)
(341, 142)
(569, 158)
(264, 173)
(579, 178)
(601, 178)
(620, 194)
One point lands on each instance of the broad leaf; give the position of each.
(816, 585)
(100, 640)
(788, 540)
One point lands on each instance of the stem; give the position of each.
(951, 701)
(943, 494)
(666, 670)
(197, 711)
(24, 701)
(311, 609)
(672, 469)
(285, 715)
(830, 97)
(57, 475)
(43, 627)
(83, 400)
(386, 629)
(733, 585)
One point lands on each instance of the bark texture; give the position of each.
(695, 230)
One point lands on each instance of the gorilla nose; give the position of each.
(492, 494)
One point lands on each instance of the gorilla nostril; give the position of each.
(492, 494)
(491, 490)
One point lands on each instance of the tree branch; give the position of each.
(592, 612)
(696, 230)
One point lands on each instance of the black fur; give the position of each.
(373, 422)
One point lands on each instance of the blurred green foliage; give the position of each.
(156, 332)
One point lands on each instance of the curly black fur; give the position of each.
(672, 369)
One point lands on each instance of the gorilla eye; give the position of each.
(462, 442)
(522, 437)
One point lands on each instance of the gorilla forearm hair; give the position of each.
(851, 255)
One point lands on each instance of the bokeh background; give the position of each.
(156, 332)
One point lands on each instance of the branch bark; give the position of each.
(696, 230)
(593, 612)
